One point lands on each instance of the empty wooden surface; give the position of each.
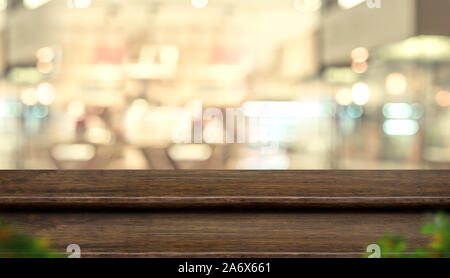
(221, 213)
(219, 234)
(225, 189)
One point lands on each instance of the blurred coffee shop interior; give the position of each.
(331, 84)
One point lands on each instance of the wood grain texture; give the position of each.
(221, 213)
(215, 234)
(225, 189)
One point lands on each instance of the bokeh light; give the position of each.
(443, 98)
(360, 55)
(361, 93)
(46, 93)
(29, 97)
(344, 97)
(396, 83)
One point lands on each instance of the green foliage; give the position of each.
(439, 230)
(393, 246)
(17, 245)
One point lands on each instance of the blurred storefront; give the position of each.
(107, 84)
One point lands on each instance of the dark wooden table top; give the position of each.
(222, 213)
(225, 189)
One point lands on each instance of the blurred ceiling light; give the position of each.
(307, 5)
(443, 98)
(78, 4)
(360, 54)
(344, 97)
(360, 67)
(348, 4)
(29, 97)
(397, 110)
(73, 152)
(361, 93)
(76, 109)
(46, 93)
(400, 127)
(45, 54)
(396, 83)
(199, 4)
(34, 4)
(197, 152)
(3, 5)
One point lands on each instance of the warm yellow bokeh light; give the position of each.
(46, 93)
(344, 97)
(361, 93)
(443, 98)
(29, 97)
(396, 83)
(360, 54)
(45, 54)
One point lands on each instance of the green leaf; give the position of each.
(428, 229)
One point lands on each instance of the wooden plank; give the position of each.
(221, 213)
(224, 189)
(220, 234)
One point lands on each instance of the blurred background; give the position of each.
(93, 84)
